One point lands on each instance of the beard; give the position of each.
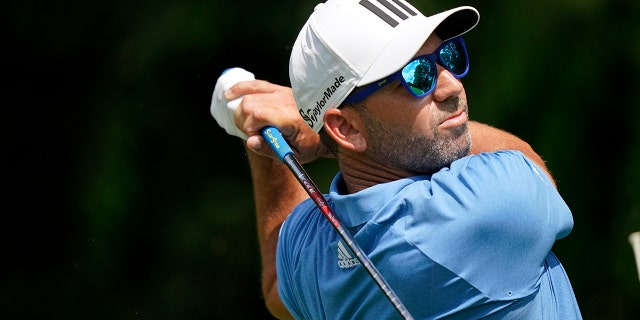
(421, 154)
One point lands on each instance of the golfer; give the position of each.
(458, 217)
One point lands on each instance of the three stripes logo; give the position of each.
(345, 258)
(398, 10)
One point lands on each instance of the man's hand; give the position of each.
(267, 104)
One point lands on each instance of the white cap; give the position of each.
(350, 43)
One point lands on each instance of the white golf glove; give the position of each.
(223, 110)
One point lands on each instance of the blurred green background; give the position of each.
(125, 200)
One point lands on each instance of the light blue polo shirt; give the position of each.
(470, 241)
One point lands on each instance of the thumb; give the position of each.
(257, 144)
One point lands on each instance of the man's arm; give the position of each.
(487, 139)
(276, 192)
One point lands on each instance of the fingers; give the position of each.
(258, 145)
(264, 104)
(250, 87)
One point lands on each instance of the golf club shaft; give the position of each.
(280, 146)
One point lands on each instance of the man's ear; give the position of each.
(345, 126)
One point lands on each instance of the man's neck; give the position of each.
(360, 172)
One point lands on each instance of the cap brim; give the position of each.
(412, 34)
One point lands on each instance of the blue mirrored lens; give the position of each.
(419, 75)
(453, 57)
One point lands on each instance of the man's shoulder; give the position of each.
(495, 159)
(305, 215)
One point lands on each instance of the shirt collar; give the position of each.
(357, 208)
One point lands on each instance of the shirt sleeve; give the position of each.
(295, 233)
(492, 219)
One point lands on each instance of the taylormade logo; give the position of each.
(311, 114)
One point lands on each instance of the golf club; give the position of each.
(223, 112)
(279, 145)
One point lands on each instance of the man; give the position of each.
(458, 217)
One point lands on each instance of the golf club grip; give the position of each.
(281, 147)
(276, 141)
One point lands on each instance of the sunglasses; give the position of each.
(420, 74)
